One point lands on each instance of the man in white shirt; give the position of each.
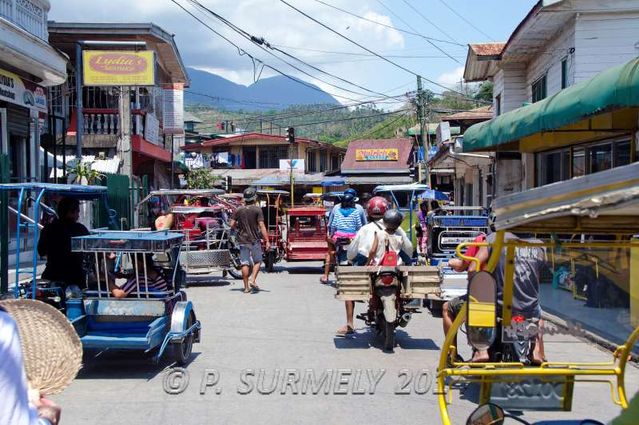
(15, 406)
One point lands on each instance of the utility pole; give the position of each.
(125, 150)
(421, 114)
(79, 113)
(290, 138)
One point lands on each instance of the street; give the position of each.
(253, 342)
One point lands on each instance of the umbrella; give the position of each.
(433, 194)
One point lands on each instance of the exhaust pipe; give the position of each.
(403, 321)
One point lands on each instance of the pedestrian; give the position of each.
(248, 220)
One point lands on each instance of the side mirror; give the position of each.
(481, 319)
(486, 414)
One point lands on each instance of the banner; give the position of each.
(118, 68)
(173, 111)
(385, 154)
(151, 128)
(14, 89)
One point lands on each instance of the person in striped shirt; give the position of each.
(155, 281)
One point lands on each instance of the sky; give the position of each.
(283, 27)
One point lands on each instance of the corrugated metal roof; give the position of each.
(404, 147)
(487, 49)
(478, 114)
(189, 117)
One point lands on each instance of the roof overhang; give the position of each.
(605, 105)
(481, 61)
(32, 55)
(64, 35)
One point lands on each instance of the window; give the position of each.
(553, 167)
(270, 156)
(578, 162)
(322, 161)
(539, 89)
(564, 73)
(600, 158)
(311, 161)
(622, 153)
(498, 105)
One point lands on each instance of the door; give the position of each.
(250, 156)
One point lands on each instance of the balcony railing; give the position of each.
(30, 15)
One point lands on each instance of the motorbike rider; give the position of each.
(344, 220)
(382, 233)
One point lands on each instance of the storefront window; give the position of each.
(622, 153)
(600, 158)
(578, 162)
(553, 167)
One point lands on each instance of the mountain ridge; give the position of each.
(276, 93)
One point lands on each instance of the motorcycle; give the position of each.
(516, 343)
(491, 414)
(341, 247)
(387, 309)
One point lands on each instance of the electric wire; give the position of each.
(429, 21)
(460, 16)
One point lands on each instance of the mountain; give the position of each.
(269, 93)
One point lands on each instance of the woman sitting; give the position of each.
(147, 279)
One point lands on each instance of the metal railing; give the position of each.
(30, 15)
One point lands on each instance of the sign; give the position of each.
(551, 393)
(443, 132)
(118, 68)
(194, 160)
(14, 89)
(384, 154)
(297, 164)
(173, 111)
(151, 128)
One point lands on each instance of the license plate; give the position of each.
(547, 394)
(451, 240)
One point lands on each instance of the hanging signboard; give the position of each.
(173, 111)
(151, 128)
(14, 89)
(295, 164)
(118, 68)
(384, 154)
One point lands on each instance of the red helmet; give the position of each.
(376, 207)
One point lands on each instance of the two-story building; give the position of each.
(155, 119)
(558, 44)
(249, 157)
(28, 66)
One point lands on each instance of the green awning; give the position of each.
(613, 89)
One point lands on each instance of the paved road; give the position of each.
(290, 325)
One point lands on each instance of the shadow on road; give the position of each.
(206, 281)
(121, 364)
(368, 338)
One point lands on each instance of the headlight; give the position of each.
(73, 291)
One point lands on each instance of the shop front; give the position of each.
(585, 136)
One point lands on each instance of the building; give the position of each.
(28, 66)
(468, 176)
(247, 158)
(557, 45)
(153, 111)
(369, 163)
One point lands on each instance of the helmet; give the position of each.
(393, 219)
(351, 191)
(376, 207)
(348, 199)
(250, 194)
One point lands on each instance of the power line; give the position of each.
(409, 26)
(260, 42)
(370, 51)
(242, 52)
(247, 102)
(387, 26)
(368, 55)
(460, 16)
(429, 21)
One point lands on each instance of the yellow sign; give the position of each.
(385, 154)
(118, 68)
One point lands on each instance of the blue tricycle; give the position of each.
(134, 299)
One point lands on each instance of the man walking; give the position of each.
(249, 222)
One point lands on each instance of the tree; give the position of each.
(485, 91)
(201, 178)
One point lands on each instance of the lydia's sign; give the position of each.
(118, 68)
(14, 89)
(385, 154)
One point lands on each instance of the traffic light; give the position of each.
(227, 183)
(290, 135)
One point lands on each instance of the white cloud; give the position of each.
(272, 20)
(452, 77)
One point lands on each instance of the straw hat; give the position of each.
(51, 348)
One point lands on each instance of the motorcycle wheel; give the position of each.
(235, 274)
(389, 336)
